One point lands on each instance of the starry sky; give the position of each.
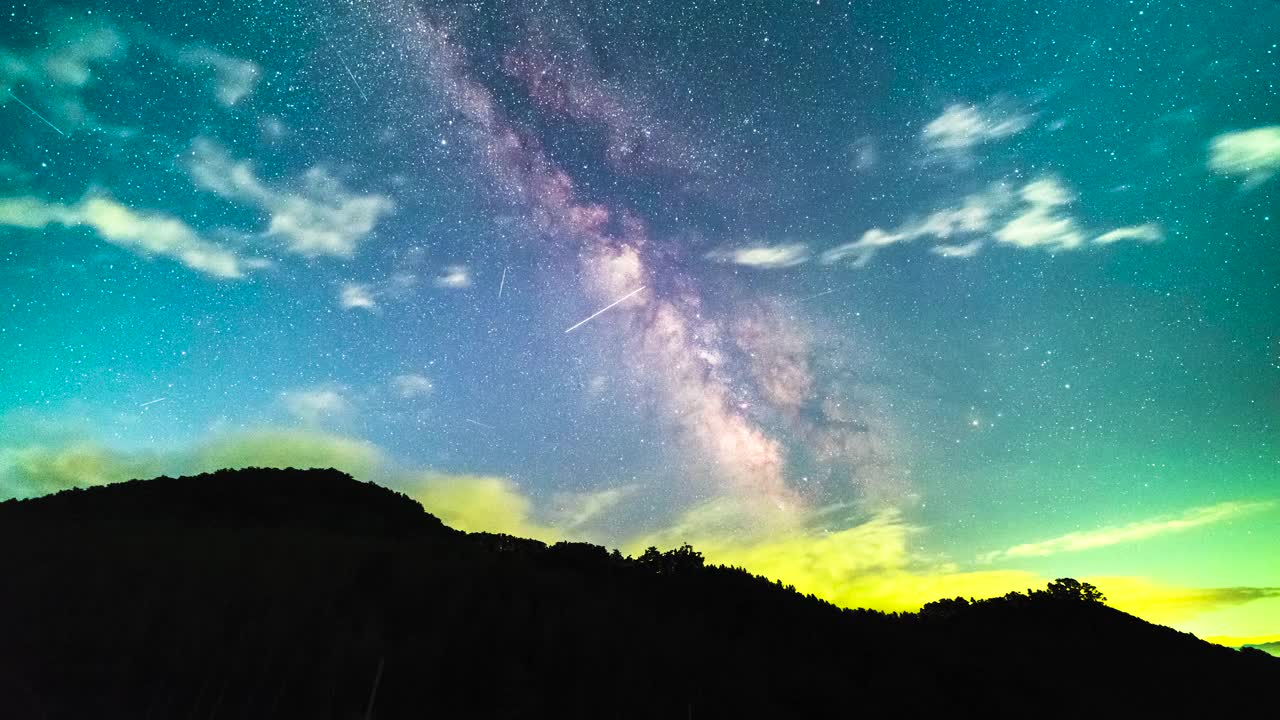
(890, 300)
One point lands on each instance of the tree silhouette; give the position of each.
(677, 561)
(945, 608)
(1074, 590)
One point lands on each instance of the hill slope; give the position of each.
(267, 593)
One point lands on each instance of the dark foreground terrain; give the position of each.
(269, 593)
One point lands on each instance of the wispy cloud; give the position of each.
(965, 250)
(975, 216)
(228, 78)
(36, 468)
(1251, 154)
(412, 385)
(315, 216)
(73, 53)
(764, 257)
(316, 404)
(867, 564)
(356, 296)
(1146, 233)
(963, 126)
(149, 234)
(33, 469)
(67, 63)
(454, 277)
(1043, 221)
(1036, 216)
(1132, 532)
(577, 510)
(231, 79)
(864, 154)
(372, 295)
(480, 503)
(861, 251)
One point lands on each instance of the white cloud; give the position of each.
(1132, 532)
(232, 79)
(966, 250)
(766, 257)
(974, 216)
(1146, 233)
(1040, 227)
(319, 216)
(1253, 154)
(401, 283)
(574, 511)
(357, 296)
(1036, 217)
(412, 385)
(864, 248)
(145, 233)
(312, 405)
(961, 127)
(455, 277)
(1043, 222)
(1047, 192)
(374, 294)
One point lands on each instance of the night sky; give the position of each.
(896, 300)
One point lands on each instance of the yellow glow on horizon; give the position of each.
(480, 503)
(874, 563)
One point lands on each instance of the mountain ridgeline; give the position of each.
(264, 593)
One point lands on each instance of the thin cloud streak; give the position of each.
(1131, 532)
(764, 257)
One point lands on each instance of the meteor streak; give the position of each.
(33, 112)
(353, 78)
(603, 309)
(813, 297)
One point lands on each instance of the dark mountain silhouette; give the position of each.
(288, 593)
